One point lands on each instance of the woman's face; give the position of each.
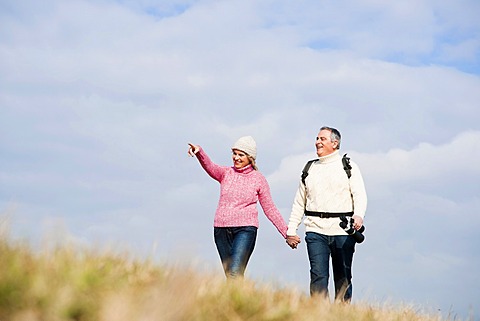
(240, 159)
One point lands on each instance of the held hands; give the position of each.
(193, 149)
(293, 241)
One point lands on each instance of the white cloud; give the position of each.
(384, 170)
(99, 100)
(425, 161)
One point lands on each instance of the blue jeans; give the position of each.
(340, 248)
(235, 246)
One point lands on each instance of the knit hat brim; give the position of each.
(247, 145)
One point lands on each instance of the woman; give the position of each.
(236, 217)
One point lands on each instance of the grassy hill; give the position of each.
(77, 284)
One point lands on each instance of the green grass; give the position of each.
(65, 283)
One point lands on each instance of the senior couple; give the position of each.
(326, 194)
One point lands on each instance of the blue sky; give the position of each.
(98, 100)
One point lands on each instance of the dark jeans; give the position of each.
(340, 248)
(235, 245)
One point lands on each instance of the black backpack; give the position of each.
(346, 166)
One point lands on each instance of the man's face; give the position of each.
(324, 144)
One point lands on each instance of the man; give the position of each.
(328, 194)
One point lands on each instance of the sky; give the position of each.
(98, 100)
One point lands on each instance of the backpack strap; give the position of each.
(346, 165)
(306, 168)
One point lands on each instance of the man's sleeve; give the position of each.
(298, 209)
(359, 194)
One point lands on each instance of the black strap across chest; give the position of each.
(346, 167)
(348, 170)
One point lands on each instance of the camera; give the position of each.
(347, 225)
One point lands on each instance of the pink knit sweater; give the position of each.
(240, 190)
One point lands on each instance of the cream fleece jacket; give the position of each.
(328, 189)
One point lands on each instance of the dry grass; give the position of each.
(73, 284)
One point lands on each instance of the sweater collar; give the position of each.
(244, 170)
(330, 157)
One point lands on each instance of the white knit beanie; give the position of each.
(246, 144)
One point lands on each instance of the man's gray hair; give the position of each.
(334, 135)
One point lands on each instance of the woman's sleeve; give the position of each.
(269, 208)
(215, 171)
